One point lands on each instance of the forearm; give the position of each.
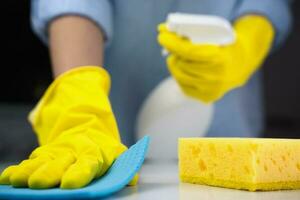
(74, 41)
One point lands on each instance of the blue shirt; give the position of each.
(134, 61)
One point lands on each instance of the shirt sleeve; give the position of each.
(277, 11)
(44, 11)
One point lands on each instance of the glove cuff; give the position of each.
(256, 34)
(82, 69)
(256, 28)
(82, 75)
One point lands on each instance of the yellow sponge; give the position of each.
(241, 163)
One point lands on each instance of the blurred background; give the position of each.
(25, 74)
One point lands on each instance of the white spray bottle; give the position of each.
(167, 112)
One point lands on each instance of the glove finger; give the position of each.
(190, 76)
(21, 174)
(183, 47)
(204, 94)
(6, 174)
(109, 151)
(134, 181)
(162, 27)
(81, 173)
(213, 83)
(202, 88)
(210, 72)
(49, 175)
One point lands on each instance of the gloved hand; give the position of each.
(77, 133)
(207, 72)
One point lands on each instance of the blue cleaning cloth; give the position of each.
(117, 177)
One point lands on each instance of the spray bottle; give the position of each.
(167, 112)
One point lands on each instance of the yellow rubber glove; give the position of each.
(77, 132)
(207, 72)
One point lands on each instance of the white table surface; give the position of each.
(160, 181)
